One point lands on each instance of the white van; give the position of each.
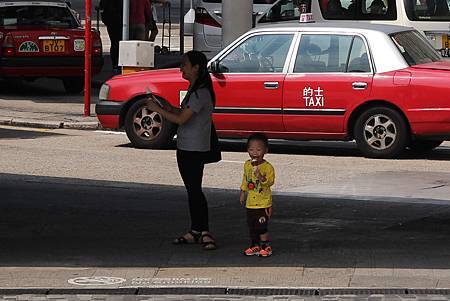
(431, 17)
(208, 23)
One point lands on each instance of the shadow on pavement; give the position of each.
(6, 133)
(68, 222)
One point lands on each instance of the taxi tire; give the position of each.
(401, 139)
(424, 146)
(73, 85)
(163, 139)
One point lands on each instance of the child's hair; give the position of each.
(258, 137)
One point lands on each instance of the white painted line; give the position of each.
(110, 132)
(231, 161)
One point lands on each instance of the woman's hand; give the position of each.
(153, 106)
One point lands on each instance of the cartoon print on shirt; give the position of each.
(313, 97)
(252, 182)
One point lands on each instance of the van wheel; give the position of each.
(424, 146)
(147, 129)
(73, 85)
(381, 132)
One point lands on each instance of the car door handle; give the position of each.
(271, 85)
(359, 86)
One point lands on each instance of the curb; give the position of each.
(47, 124)
(236, 291)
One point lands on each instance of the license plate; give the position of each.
(53, 46)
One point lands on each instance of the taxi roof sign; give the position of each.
(306, 18)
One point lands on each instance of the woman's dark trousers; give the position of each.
(190, 165)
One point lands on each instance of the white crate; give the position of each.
(136, 54)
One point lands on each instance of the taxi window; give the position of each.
(414, 48)
(323, 53)
(359, 59)
(37, 15)
(428, 10)
(258, 54)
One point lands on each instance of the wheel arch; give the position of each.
(372, 103)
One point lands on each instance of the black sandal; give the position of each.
(208, 245)
(184, 241)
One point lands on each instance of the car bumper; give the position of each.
(108, 113)
(47, 66)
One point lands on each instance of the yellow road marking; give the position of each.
(10, 127)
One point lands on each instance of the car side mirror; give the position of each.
(214, 67)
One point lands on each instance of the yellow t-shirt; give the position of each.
(259, 194)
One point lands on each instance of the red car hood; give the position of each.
(166, 83)
(440, 65)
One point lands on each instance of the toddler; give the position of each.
(259, 176)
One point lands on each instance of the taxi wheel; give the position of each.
(423, 146)
(147, 129)
(381, 132)
(73, 85)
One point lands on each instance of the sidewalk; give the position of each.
(57, 109)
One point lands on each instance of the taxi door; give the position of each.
(248, 84)
(331, 72)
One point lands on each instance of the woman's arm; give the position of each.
(177, 116)
(169, 108)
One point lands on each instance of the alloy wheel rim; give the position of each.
(380, 132)
(147, 124)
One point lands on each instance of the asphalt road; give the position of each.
(332, 168)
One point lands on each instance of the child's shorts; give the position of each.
(257, 220)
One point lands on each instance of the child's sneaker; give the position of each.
(267, 251)
(252, 251)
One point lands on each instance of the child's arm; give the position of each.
(242, 197)
(244, 188)
(269, 211)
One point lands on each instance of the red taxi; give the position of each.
(381, 85)
(45, 39)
